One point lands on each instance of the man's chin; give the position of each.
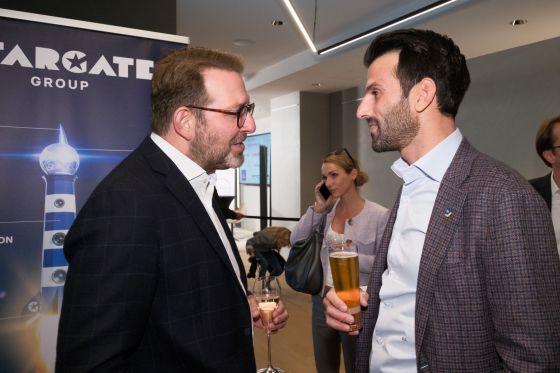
(382, 147)
(232, 161)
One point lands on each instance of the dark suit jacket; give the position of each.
(488, 293)
(542, 185)
(150, 287)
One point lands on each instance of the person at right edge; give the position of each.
(548, 148)
(349, 217)
(467, 277)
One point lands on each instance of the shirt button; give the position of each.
(388, 304)
(404, 339)
(379, 340)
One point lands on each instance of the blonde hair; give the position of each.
(342, 158)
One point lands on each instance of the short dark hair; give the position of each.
(544, 140)
(177, 80)
(426, 54)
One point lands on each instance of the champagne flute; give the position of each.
(267, 293)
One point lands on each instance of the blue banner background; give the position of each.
(102, 122)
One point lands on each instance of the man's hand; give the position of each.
(336, 312)
(279, 316)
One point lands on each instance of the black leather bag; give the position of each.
(303, 270)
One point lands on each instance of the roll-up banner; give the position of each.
(74, 101)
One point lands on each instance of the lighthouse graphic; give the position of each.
(59, 162)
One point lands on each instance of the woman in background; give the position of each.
(349, 217)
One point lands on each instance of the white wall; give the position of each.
(285, 154)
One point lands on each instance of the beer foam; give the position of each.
(267, 306)
(343, 254)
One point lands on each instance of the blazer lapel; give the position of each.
(374, 285)
(446, 215)
(179, 186)
(229, 234)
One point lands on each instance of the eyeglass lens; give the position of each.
(243, 112)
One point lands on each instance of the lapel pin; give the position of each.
(448, 212)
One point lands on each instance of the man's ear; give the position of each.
(424, 94)
(549, 156)
(183, 122)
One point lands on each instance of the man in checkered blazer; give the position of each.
(467, 278)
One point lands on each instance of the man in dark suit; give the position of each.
(467, 276)
(543, 186)
(547, 144)
(155, 281)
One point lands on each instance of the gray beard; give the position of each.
(206, 154)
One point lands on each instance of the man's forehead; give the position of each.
(224, 84)
(382, 70)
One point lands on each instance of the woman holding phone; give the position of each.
(349, 217)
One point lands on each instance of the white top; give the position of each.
(393, 344)
(332, 238)
(555, 210)
(203, 184)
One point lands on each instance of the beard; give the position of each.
(212, 153)
(397, 130)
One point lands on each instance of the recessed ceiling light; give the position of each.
(243, 42)
(518, 22)
(277, 22)
(316, 84)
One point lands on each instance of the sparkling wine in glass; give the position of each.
(267, 293)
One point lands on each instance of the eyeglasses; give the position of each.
(241, 113)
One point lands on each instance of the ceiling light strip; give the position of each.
(299, 24)
(385, 26)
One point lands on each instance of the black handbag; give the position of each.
(303, 270)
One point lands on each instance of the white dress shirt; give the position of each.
(555, 209)
(393, 344)
(203, 184)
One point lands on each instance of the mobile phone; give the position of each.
(324, 192)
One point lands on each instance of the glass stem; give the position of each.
(269, 350)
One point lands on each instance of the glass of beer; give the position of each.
(345, 269)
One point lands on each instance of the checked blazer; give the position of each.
(150, 287)
(488, 291)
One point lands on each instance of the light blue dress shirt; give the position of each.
(393, 345)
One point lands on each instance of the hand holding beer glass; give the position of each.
(345, 269)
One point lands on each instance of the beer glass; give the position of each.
(267, 293)
(345, 269)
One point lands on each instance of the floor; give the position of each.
(292, 348)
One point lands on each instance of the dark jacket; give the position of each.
(542, 185)
(150, 287)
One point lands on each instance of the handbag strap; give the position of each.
(321, 227)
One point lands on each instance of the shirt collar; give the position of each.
(187, 166)
(553, 187)
(433, 164)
